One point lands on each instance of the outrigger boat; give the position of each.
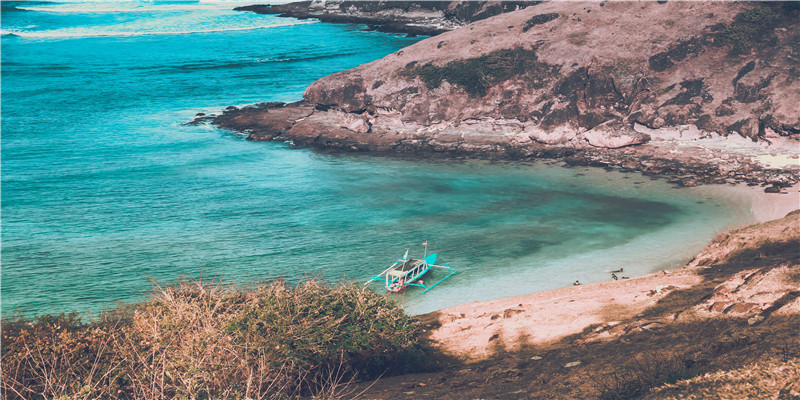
(407, 272)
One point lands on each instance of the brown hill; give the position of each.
(710, 89)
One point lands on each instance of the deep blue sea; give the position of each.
(104, 188)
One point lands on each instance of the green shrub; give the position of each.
(318, 327)
(748, 29)
(477, 75)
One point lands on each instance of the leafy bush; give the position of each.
(316, 327)
(748, 29)
(57, 355)
(477, 75)
(199, 340)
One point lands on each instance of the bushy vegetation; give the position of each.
(477, 75)
(199, 340)
(749, 28)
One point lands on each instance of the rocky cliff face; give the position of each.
(666, 88)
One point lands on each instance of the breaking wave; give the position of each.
(163, 18)
(73, 7)
(84, 33)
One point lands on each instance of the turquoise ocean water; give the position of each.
(103, 188)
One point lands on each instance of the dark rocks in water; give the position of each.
(200, 119)
(264, 121)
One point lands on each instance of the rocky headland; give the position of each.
(695, 91)
(410, 17)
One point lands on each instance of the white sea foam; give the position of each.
(114, 9)
(161, 19)
(128, 7)
(83, 33)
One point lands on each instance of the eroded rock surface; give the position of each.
(708, 89)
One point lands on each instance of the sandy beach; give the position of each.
(477, 330)
(769, 206)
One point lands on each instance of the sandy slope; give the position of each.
(477, 330)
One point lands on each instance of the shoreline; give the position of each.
(771, 206)
(477, 330)
(413, 18)
(745, 205)
(768, 193)
(708, 329)
(679, 153)
(674, 102)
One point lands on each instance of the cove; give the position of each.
(104, 188)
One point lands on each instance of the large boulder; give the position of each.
(613, 135)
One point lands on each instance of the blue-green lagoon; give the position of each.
(104, 188)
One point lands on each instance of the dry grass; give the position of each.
(764, 380)
(197, 340)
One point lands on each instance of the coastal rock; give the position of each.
(559, 135)
(741, 308)
(333, 128)
(678, 98)
(613, 135)
(410, 17)
(263, 122)
(772, 189)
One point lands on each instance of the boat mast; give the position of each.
(425, 252)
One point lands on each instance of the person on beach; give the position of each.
(614, 276)
(576, 283)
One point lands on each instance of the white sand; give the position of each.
(475, 330)
(769, 206)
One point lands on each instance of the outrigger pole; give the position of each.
(452, 272)
(422, 285)
(395, 277)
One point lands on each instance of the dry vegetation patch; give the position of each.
(206, 340)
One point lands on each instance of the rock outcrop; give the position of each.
(411, 17)
(708, 89)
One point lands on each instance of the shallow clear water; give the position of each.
(104, 188)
